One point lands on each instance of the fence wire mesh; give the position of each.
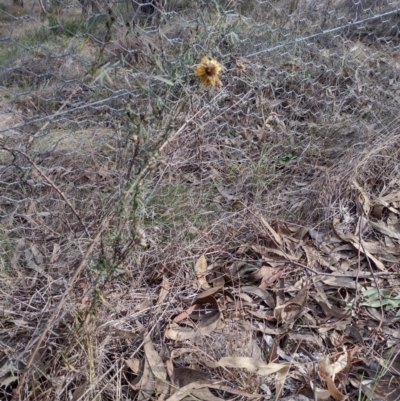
(102, 119)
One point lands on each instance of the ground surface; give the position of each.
(160, 239)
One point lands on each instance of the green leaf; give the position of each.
(377, 304)
(383, 297)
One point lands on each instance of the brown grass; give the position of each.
(285, 138)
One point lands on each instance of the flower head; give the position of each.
(208, 72)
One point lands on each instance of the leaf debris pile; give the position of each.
(303, 313)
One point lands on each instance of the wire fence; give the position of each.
(104, 125)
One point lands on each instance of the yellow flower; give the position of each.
(208, 72)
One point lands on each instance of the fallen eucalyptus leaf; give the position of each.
(201, 270)
(324, 375)
(205, 327)
(165, 287)
(251, 364)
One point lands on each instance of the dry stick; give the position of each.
(54, 186)
(105, 223)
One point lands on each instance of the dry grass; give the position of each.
(166, 173)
